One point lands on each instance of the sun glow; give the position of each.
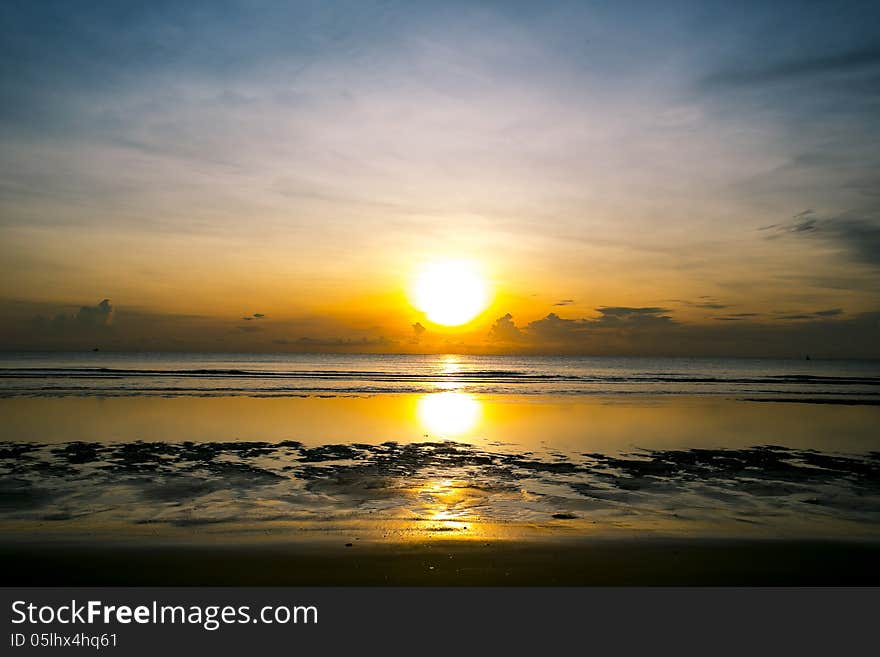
(450, 293)
(448, 413)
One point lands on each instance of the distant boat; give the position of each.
(807, 358)
(96, 349)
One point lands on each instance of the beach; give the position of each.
(501, 325)
(127, 482)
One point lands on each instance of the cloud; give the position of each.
(736, 317)
(847, 62)
(418, 332)
(95, 316)
(650, 331)
(858, 236)
(554, 328)
(363, 124)
(254, 317)
(705, 301)
(331, 344)
(87, 319)
(504, 330)
(626, 317)
(824, 314)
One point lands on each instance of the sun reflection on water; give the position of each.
(448, 505)
(448, 413)
(450, 365)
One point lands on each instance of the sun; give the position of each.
(450, 293)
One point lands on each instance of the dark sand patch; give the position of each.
(229, 482)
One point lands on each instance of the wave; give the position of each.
(474, 376)
(180, 376)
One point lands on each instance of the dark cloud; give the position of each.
(307, 344)
(418, 332)
(343, 343)
(613, 330)
(736, 317)
(85, 320)
(564, 302)
(703, 301)
(28, 325)
(626, 317)
(554, 328)
(254, 317)
(858, 236)
(831, 312)
(504, 330)
(99, 315)
(649, 331)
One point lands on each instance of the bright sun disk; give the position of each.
(450, 293)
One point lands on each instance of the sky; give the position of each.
(678, 178)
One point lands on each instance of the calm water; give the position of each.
(168, 447)
(111, 374)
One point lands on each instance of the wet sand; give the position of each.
(544, 491)
(210, 492)
(214, 492)
(612, 562)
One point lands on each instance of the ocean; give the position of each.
(171, 374)
(223, 448)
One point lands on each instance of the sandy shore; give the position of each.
(618, 492)
(610, 562)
